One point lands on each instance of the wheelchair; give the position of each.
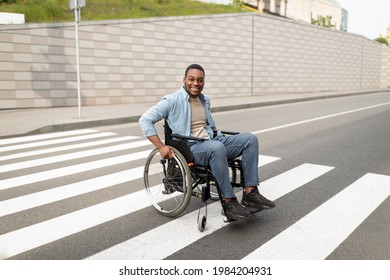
(170, 183)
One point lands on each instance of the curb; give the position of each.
(75, 126)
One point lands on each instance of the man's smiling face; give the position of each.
(194, 82)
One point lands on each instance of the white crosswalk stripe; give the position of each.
(67, 147)
(295, 242)
(44, 197)
(42, 233)
(49, 196)
(335, 220)
(102, 213)
(70, 156)
(149, 245)
(9, 141)
(53, 142)
(69, 170)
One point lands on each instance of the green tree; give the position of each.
(237, 3)
(382, 40)
(323, 21)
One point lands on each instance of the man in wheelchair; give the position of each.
(187, 112)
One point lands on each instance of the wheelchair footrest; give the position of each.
(228, 219)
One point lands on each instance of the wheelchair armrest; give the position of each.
(178, 142)
(229, 132)
(184, 137)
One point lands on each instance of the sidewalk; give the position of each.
(44, 120)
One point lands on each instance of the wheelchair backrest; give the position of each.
(177, 143)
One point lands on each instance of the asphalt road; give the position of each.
(326, 166)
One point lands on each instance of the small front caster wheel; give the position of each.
(202, 224)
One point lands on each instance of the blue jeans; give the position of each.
(216, 153)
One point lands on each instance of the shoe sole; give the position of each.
(235, 216)
(253, 209)
(238, 217)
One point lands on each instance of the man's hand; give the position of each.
(166, 152)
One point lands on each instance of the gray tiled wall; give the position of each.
(141, 60)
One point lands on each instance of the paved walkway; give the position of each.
(43, 120)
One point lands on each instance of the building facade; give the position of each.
(308, 11)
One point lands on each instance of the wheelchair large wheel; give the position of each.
(168, 183)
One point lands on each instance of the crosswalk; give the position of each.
(44, 170)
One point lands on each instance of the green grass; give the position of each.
(58, 10)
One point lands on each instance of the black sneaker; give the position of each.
(235, 210)
(255, 202)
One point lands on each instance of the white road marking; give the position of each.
(67, 147)
(171, 237)
(55, 141)
(25, 202)
(320, 118)
(69, 170)
(70, 156)
(14, 140)
(292, 179)
(28, 238)
(319, 233)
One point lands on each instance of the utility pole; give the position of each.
(76, 6)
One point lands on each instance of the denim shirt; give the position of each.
(176, 109)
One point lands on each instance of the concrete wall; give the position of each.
(141, 60)
(291, 57)
(385, 70)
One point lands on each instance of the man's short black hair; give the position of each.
(194, 66)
